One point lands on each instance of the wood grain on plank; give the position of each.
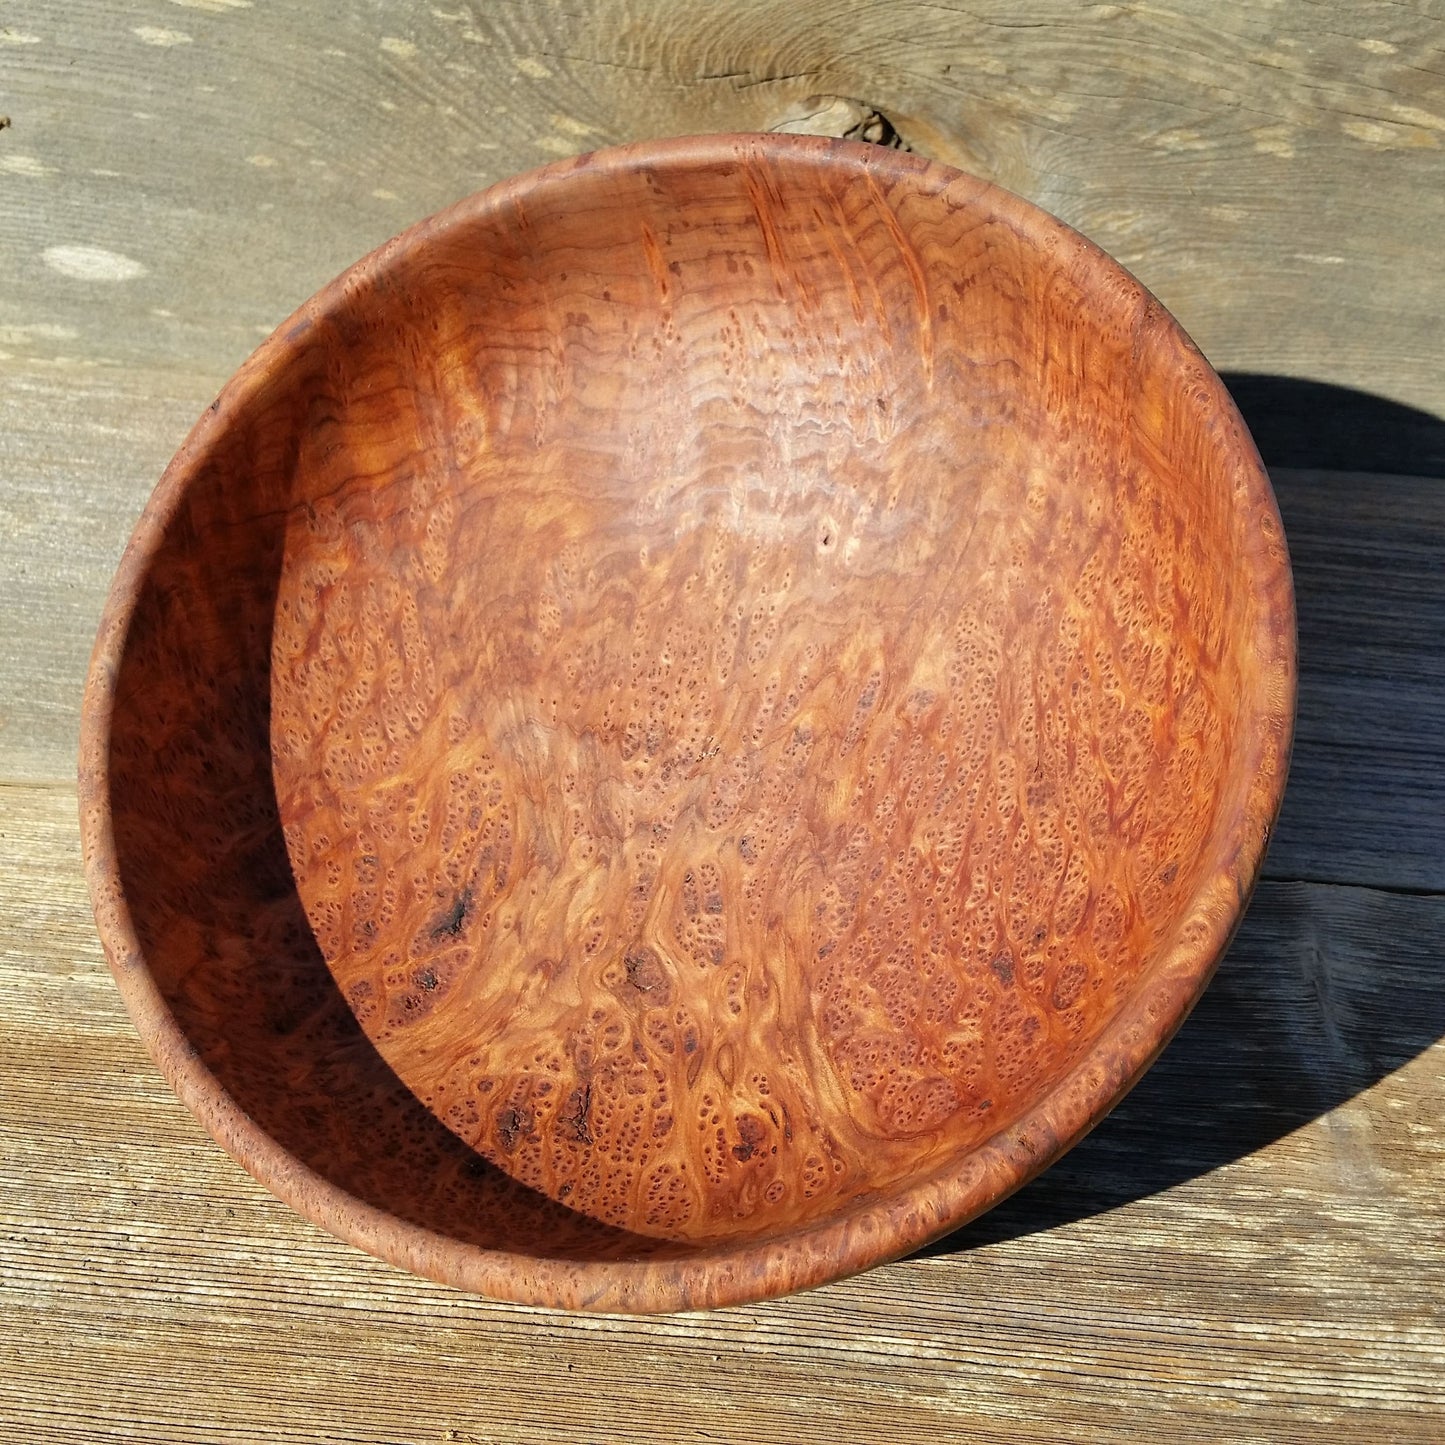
(1364, 805)
(1282, 1282)
(1366, 797)
(240, 155)
(80, 450)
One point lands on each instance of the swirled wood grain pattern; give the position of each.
(780, 670)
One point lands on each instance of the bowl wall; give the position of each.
(722, 701)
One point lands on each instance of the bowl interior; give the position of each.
(696, 695)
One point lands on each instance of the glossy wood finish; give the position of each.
(776, 665)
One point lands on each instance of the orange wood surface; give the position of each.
(777, 664)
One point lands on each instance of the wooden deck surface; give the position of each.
(1252, 1248)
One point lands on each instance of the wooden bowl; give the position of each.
(689, 724)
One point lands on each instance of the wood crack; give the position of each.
(1394, 890)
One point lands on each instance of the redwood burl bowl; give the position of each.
(689, 724)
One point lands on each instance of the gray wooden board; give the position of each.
(240, 155)
(1366, 799)
(1366, 795)
(80, 450)
(1252, 1248)
(1276, 172)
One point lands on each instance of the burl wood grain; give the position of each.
(776, 663)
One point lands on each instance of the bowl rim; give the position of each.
(874, 1230)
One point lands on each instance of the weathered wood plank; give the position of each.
(1221, 1259)
(80, 449)
(1366, 796)
(1275, 173)
(1366, 802)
